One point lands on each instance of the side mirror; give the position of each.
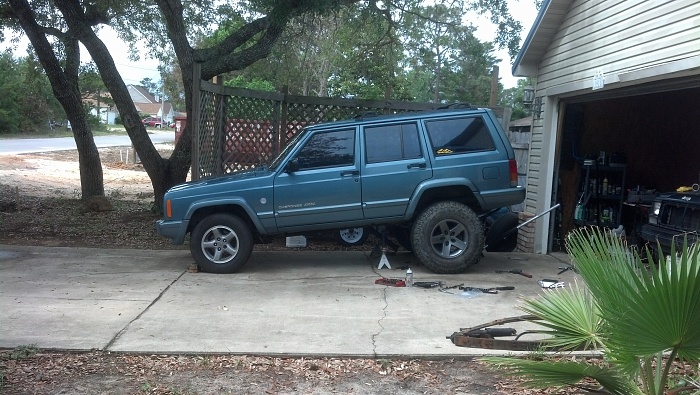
(292, 166)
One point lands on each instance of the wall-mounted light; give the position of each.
(528, 95)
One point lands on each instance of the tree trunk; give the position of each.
(160, 171)
(64, 84)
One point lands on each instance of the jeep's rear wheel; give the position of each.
(350, 237)
(448, 237)
(221, 243)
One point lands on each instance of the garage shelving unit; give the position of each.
(601, 193)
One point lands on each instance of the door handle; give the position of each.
(418, 165)
(349, 173)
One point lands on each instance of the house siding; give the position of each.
(611, 36)
(619, 36)
(534, 166)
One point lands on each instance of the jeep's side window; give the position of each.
(456, 135)
(328, 149)
(392, 142)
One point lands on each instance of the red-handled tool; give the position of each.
(515, 271)
(390, 282)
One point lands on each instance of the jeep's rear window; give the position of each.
(458, 135)
(328, 149)
(392, 142)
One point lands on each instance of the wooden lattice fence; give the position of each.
(237, 129)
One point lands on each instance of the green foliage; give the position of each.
(10, 88)
(574, 318)
(513, 98)
(357, 52)
(90, 82)
(254, 83)
(451, 64)
(641, 318)
(24, 351)
(151, 86)
(27, 103)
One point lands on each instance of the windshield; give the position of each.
(293, 142)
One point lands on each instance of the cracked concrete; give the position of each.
(291, 303)
(379, 322)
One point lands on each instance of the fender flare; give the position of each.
(233, 201)
(440, 183)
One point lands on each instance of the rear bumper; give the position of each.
(502, 198)
(175, 230)
(659, 236)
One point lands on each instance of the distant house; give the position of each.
(148, 105)
(99, 107)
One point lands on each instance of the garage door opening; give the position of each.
(614, 151)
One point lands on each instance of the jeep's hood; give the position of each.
(680, 197)
(212, 182)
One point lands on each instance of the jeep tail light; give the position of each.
(513, 172)
(168, 208)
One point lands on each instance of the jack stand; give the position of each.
(384, 261)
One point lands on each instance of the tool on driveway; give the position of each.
(567, 268)
(390, 282)
(490, 333)
(492, 290)
(515, 271)
(551, 284)
(497, 239)
(483, 336)
(427, 284)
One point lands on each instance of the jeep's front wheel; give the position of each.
(221, 243)
(447, 237)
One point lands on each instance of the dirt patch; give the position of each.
(96, 372)
(39, 205)
(56, 174)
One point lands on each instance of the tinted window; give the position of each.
(449, 136)
(326, 149)
(393, 142)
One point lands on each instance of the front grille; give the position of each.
(684, 219)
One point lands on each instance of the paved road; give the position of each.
(25, 146)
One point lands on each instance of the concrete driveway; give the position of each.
(292, 303)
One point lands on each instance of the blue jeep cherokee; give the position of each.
(432, 174)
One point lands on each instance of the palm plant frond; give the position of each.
(571, 315)
(642, 318)
(559, 374)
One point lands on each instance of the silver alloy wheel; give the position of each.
(352, 235)
(449, 238)
(220, 244)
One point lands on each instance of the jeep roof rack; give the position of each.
(366, 114)
(463, 106)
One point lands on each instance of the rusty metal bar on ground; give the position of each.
(482, 336)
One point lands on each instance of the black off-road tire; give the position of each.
(221, 243)
(497, 237)
(448, 237)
